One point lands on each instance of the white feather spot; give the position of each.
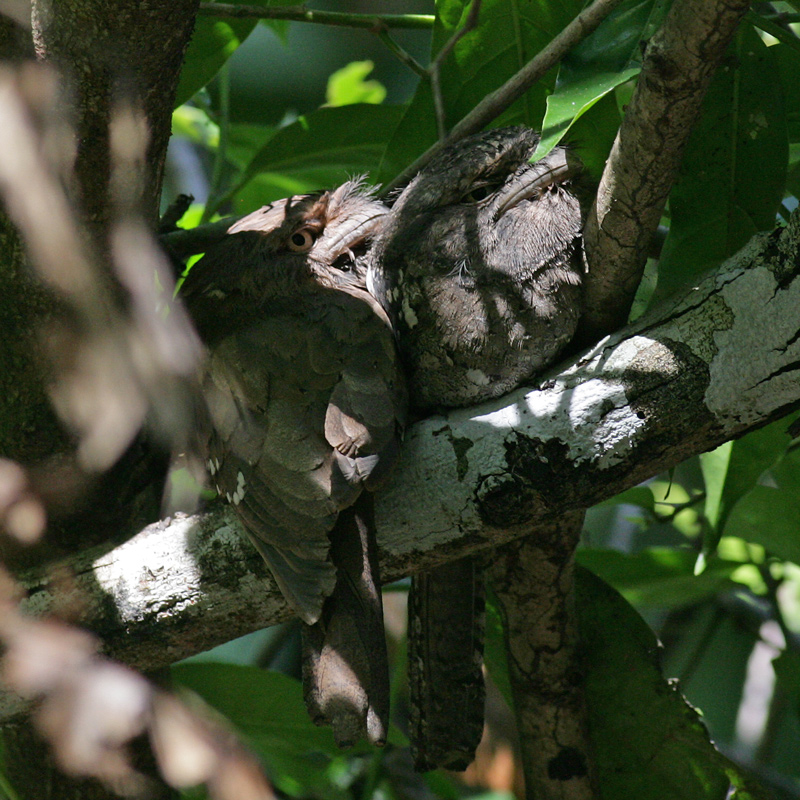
(228, 497)
(477, 377)
(240, 482)
(409, 314)
(211, 468)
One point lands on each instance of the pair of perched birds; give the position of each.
(473, 277)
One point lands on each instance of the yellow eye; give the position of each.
(302, 240)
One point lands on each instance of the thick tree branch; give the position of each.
(698, 374)
(679, 64)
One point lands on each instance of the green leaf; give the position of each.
(658, 577)
(319, 150)
(732, 178)
(649, 743)
(214, 41)
(787, 674)
(610, 56)
(508, 35)
(733, 469)
(770, 518)
(494, 648)
(787, 60)
(267, 706)
(636, 496)
(348, 85)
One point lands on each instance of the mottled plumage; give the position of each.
(306, 405)
(479, 267)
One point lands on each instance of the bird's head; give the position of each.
(284, 248)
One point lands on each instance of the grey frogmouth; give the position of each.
(479, 267)
(306, 404)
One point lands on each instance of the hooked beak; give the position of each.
(554, 168)
(355, 230)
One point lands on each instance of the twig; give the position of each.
(302, 14)
(181, 243)
(498, 101)
(434, 69)
(401, 54)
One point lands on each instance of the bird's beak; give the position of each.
(555, 167)
(355, 229)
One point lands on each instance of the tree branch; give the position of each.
(303, 14)
(675, 384)
(679, 63)
(533, 579)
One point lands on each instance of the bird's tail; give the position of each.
(345, 668)
(445, 659)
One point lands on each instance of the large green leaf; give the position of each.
(319, 150)
(732, 178)
(509, 34)
(611, 55)
(649, 743)
(214, 41)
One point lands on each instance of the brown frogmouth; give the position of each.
(479, 268)
(306, 404)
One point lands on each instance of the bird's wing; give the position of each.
(366, 409)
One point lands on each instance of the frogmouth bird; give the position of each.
(479, 267)
(306, 404)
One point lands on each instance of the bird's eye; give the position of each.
(478, 193)
(302, 240)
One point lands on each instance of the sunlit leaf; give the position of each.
(733, 469)
(348, 85)
(214, 41)
(608, 57)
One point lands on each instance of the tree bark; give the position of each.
(533, 579)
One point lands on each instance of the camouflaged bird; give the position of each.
(479, 267)
(306, 405)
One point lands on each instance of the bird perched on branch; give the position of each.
(305, 408)
(479, 268)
